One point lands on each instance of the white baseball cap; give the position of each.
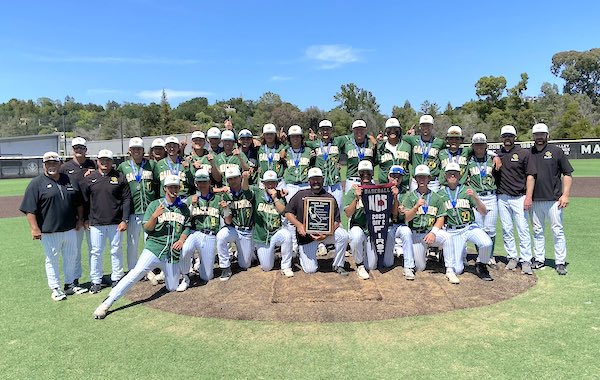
(365, 165)
(171, 180)
(325, 123)
(422, 170)
(479, 138)
(426, 119)
(392, 122)
(454, 131)
(452, 166)
(295, 130)
(269, 128)
(136, 142)
(213, 133)
(158, 143)
(198, 135)
(314, 172)
(51, 156)
(171, 139)
(201, 175)
(359, 124)
(78, 141)
(232, 171)
(270, 175)
(245, 133)
(539, 128)
(508, 130)
(105, 153)
(227, 136)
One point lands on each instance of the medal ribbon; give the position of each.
(296, 155)
(139, 171)
(361, 151)
(176, 171)
(482, 168)
(453, 199)
(325, 152)
(270, 155)
(425, 207)
(425, 151)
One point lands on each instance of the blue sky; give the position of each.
(304, 50)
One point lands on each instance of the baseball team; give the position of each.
(237, 198)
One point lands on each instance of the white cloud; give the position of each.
(332, 56)
(280, 78)
(125, 60)
(155, 95)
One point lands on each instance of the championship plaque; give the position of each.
(318, 215)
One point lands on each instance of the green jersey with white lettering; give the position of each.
(426, 214)
(479, 174)
(298, 162)
(388, 155)
(458, 205)
(357, 152)
(173, 222)
(224, 161)
(328, 159)
(241, 205)
(359, 218)
(165, 167)
(460, 157)
(267, 220)
(141, 183)
(205, 213)
(420, 149)
(270, 159)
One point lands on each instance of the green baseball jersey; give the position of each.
(398, 219)
(270, 159)
(420, 149)
(141, 183)
(328, 159)
(479, 174)
(460, 157)
(458, 205)
(426, 214)
(356, 153)
(171, 224)
(224, 161)
(205, 213)
(359, 218)
(267, 220)
(165, 167)
(388, 155)
(241, 205)
(193, 157)
(297, 164)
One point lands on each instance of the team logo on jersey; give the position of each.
(71, 171)
(547, 155)
(49, 185)
(94, 180)
(515, 157)
(114, 180)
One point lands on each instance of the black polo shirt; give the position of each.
(75, 171)
(511, 179)
(107, 198)
(551, 164)
(296, 207)
(54, 203)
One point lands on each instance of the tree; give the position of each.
(354, 99)
(490, 88)
(165, 114)
(406, 115)
(430, 108)
(580, 71)
(187, 110)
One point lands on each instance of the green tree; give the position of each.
(406, 115)
(490, 88)
(165, 115)
(354, 99)
(580, 71)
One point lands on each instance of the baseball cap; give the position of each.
(359, 124)
(452, 166)
(508, 130)
(232, 171)
(295, 130)
(136, 142)
(454, 131)
(245, 133)
(479, 138)
(51, 156)
(158, 143)
(325, 123)
(171, 180)
(201, 175)
(78, 141)
(422, 170)
(198, 135)
(270, 175)
(397, 169)
(227, 136)
(269, 128)
(105, 153)
(171, 139)
(314, 172)
(392, 122)
(213, 133)
(365, 165)
(426, 119)
(539, 127)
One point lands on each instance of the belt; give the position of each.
(420, 231)
(300, 183)
(354, 178)
(484, 193)
(243, 228)
(208, 232)
(459, 227)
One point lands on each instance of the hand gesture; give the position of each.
(357, 190)
(282, 135)
(158, 212)
(177, 245)
(185, 164)
(194, 199)
(272, 193)
(420, 202)
(88, 172)
(236, 152)
(411, 131)
(223, 204)
(183, 144)
(380, 136)
(395, 191)
(470, 192)
(210, 157)
(497, 163)
(197, 165)
(245, 174)
(429, 238)
(311, 134)
(401, 209)
(284, 192)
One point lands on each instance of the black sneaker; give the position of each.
(537, 264)
(483, 273)
(225, 274)
(341, 271)
(560, 268)
(96, 288)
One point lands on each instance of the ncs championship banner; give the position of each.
(377, 202)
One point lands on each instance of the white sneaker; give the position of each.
(409, 274)
(452, 276)
(362, 272)
(101, 310)
(58, 295)
(185, 283)
(74, 289)
(152, 278)
(160, 278)
(321, 250)
(287, 272)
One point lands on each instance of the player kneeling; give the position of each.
(166, 222)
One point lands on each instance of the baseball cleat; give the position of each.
(512, 264)
(341, 271)
(96, 288)
(483, 273)
(451, 276)
(362, 272)
(225, 274)
(492, 264)
(537, 264)
(560, 268)
(287, 272)
(409, 274)
(71, 289)
(58, 295)
(101, 311)
(185, 283)
(526, 268)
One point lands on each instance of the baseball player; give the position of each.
(515, 181)
(77, 168)
(52, 205)
(108, 197)
(357, 147)
(425, 150)
(424, 213)
(214, 139)
(454, 153)
(397, 231)
(294, 212)
(138, 172)
(239, 204)
(459, 202)
(166, 222)
(172, 164)
(198, 150)
(271, 154)
(392, 152)
(230, 156)
(157, 150)
(550, 197)
(248, 146)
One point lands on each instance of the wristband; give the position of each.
(435, 230)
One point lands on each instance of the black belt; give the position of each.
(484, 193)
(208, 232)
(243, 228)
(354, 178)
(460, 226)
(300, 183)
(420, 231)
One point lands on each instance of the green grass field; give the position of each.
(550, 332)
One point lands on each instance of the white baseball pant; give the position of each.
(359, 242)
(56, 243)
(415, 249)
(134, 229)
(206, 245)
(80, 234)
(509, 207)
(487, 222)
(539, 212)
(243, 241)
(292, 190)
(336, 191)
(396, 232)
(266, 253)
(456, 242)
(98, 236)
(308, 252)
(433, 185)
